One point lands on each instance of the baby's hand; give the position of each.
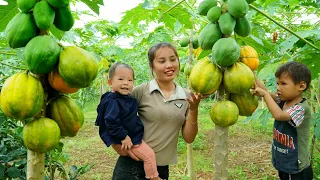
(126, 143)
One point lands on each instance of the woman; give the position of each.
(164, 108)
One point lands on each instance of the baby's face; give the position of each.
(122, 81)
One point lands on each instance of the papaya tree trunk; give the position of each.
(221, 145)
(191, 173)
(35, 166)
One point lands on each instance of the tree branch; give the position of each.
(284, 27)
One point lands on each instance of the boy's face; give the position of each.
(286, 89)
(122, 81)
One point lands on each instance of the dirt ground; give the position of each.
(248, 156)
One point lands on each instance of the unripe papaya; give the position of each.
(41, 54)
(43, 15)
(243, 27)
(25, 5)
(225, 52)
(195, 42)
(209, 35)
(184, 42)
(63, 19)
(224, 113)
(214, 14)
(58, 3)
(238, 8)
(226, 23)
(187, 69)
(77, 67)
(205, 5)
(20, 30)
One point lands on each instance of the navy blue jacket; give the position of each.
(117, 117)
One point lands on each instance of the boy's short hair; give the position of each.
(118, 64)
(297, 71)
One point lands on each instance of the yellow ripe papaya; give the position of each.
(249, 56)
(224, 113)
(41, 135)
(67, 114)
(238, 78)
(22, 96)
(205, 77)
(246, 102)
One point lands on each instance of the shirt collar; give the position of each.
(179, 92)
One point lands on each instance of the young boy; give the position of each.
(292, 114)
(118, 120)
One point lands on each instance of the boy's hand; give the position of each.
(258, 91)
(126, 143)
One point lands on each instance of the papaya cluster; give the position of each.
(35, 16)
(38, 96)
(230, 65)
(184, 42)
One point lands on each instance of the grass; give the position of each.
(249, 150)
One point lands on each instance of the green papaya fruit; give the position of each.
(238, 8)
(43, 15)
(25, 5)
(195, 42)
(205, 5)
(243, 27)
(184, 42)
(226, 23)
(41, 54)
(58, 3)
(20, 30)
(209, 35)
(250, 1)
(225, 52)
(214, 14)
(63, 19)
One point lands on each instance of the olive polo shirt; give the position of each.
(162, 119)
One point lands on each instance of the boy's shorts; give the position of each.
(306, 174)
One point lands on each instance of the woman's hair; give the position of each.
(297, 71)
(119, 64)
(154, 49)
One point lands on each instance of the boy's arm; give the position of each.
(261, 85)
(273, 107)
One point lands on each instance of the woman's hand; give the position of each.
(194, 101)
(117, 148)
(126, 143)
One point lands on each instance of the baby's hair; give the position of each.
(297, 71)
(119, 64)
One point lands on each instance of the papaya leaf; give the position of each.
(316, 124)
(292, 40)
(177, 26)
(311, 59)
(93, 5)
(13, 172)
(7, 12)
(204, 53)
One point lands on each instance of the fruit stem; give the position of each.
(284, 27)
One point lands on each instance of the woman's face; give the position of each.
(165, 64)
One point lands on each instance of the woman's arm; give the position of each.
(190, 127)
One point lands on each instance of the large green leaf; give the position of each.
(7, 12)
(93, 5)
